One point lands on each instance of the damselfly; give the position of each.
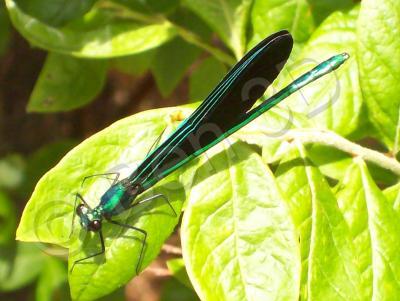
(227, 109)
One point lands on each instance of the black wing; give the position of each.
(222, 109)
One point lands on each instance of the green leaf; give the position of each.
(4, 29)
(52, 283)
(335, 101)
(382, 176)
(171, 62)
(41, 161)
(327, 255)
(138, 6)
(323, 8)
(205, 78)
(66, 83)
(226, 17)
(12, 169)
(136, 64)
(177, 268)
(20, 264)
(8, 219)
(269, 17)
(118, 295)
(379, 65)
(331, 162)
(96, 36)
(190, 22)
(161, 6)
(48, 215)
(267, 130)
(351, 200)
(392, 194)
(174, 291)
(374, 225)
(150, 6)
(55, 12)
(237, 238)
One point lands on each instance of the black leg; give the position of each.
(79, 196)
(156, 196)
(143, 243)
(103, 249)
(116, 174)
(156, 142)
(73, 216)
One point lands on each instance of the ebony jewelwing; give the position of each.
(227, 109)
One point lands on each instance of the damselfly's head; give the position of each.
(90, 219)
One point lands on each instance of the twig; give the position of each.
(125, 12)
(159, 272)
(329, 138)
(170, 249)
(196, 40)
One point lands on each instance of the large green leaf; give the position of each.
(268, 129)
(175, 291)
(379, 64)
(189, 21)
(323, 8)
(335, 101)
(47, 216)
(328, 268)
(20, 264)
(135, 64)
(8, 219)
(39, 162)
(161, 6)
(268, 17)
(55, 12)
(171, 62)
(52, 282)
(226, 17)
(374, 225)
(178, 269)
(238, 241)
(333, 163)
(330, 161)
(97, 35)
(150, 7)
(392, 194)
(205, 78)
(12, 169)
(66, 83)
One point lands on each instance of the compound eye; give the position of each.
(80, 209)
(95, 225)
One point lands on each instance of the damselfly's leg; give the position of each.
(73, 216)
(156, 196)
(143, 242)
(156, 142)
(115, 179)
(103, 249)
(77, 196)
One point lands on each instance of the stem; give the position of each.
(196, 40)
(397, 137)
(159, 272)
(170, 249)
(329, 138)
(125, 12)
